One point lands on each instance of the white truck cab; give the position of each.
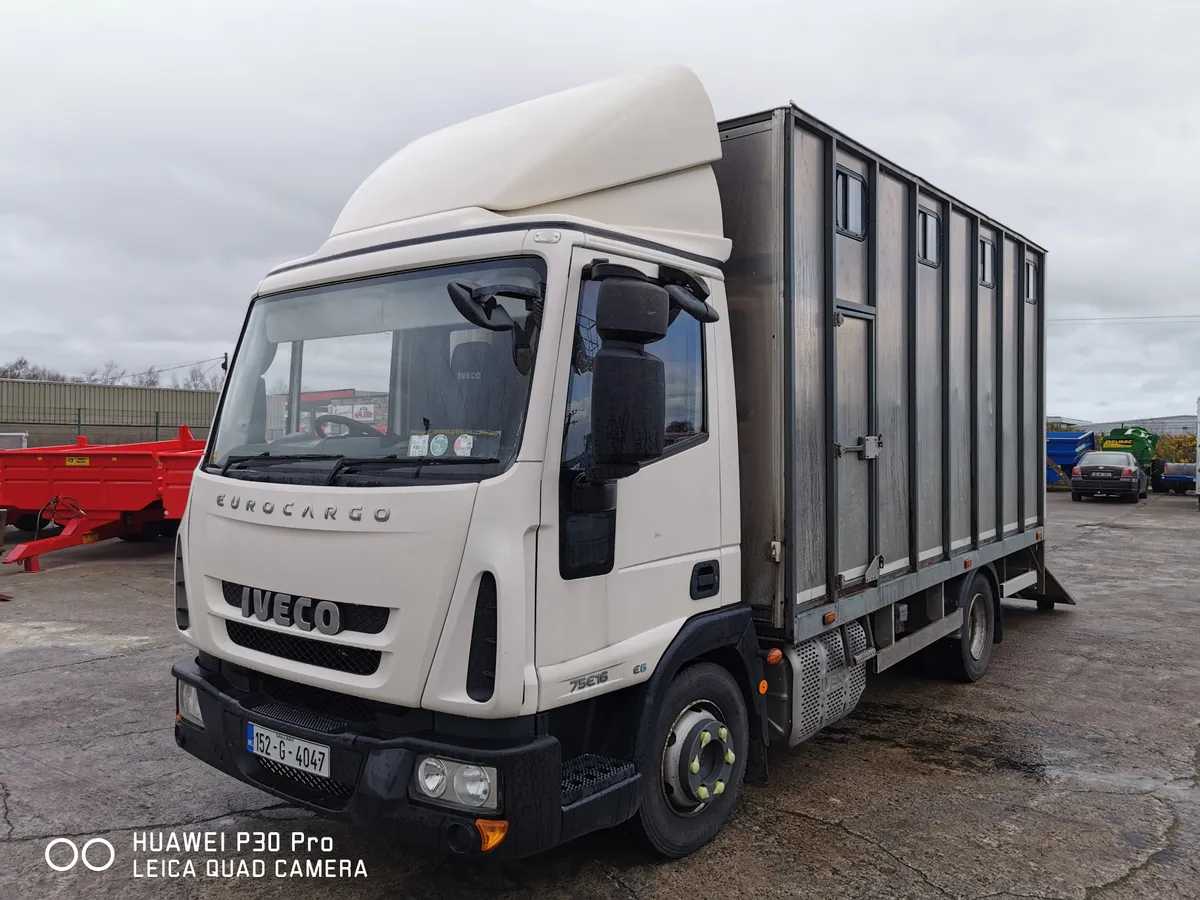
(467, 555)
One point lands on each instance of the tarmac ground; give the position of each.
(1070, 771)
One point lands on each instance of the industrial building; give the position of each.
(1162, 425)
(57, 412)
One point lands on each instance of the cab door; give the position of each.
(621, 566)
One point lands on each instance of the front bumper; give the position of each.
(1082, 485)
(370, 773)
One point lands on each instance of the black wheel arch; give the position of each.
(728, 638)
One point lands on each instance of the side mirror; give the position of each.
(629, 396)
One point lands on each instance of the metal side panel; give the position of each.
(985, 410)
(808, 449)
(851, 251)
(750, 176)
(891, 330)
(959, 335)
(1012, 287)
(1035, 443)
(853, 421)
(930, 335)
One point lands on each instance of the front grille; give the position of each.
(355, 616)
(352, 660)
(325, 787)
(330, 704)
(301, 718)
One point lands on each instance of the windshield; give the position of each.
(380, 376)
(1105, 459)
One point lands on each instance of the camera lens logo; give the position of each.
(78, 854)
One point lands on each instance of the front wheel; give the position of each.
(694, 762)
(966, 658)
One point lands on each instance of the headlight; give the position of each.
(431, 777)
(471, 786)
(187, 703)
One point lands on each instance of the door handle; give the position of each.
(706, 579)
(868, 447)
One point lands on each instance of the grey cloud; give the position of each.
(157, 159)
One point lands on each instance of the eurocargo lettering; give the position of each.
(680, 429)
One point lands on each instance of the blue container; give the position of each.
(1066, 448)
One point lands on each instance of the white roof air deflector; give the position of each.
(631, 153)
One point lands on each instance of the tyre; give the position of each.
(1045, 605)
(1077, 497)
(694, 761)
(149, 532)
(966, 658)
(1130, 498)
(1157, 466)
(26, 522)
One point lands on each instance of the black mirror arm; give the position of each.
(682, 298)
(478, 305)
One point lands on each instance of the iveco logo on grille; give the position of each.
(303, 612)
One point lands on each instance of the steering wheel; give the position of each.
(319, 423)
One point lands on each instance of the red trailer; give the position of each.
(96, 492)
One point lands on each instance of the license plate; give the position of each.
(288, 750)
(1102, 474)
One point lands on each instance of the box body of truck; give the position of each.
(890, 358)
(675, 431)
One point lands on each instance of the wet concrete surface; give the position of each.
(1070, 771)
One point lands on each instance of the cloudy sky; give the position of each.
(157, 158)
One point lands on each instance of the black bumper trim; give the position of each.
(371, 773)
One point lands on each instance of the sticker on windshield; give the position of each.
(418, 444)
(463, 445)
(439, 444)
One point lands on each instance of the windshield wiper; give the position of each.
(268, 458)
(394, 461)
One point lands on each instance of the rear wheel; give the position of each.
(26, 522)
(1045, 605)
(1077, 497)
(1130, 498)
(966, 658)
(694, 763)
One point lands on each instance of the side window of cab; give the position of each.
(682, 353)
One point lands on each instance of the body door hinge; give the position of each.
(776, 551)
(874, 569)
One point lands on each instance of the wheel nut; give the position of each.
(702, 792)
(719, 787)
(728, 758)
(723, 733)
(694, 767)
(705, 737)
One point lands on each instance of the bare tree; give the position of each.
(23, 370)
(199, 380)
(149, 378)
